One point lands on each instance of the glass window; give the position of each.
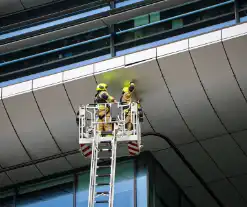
(7, 199)
(50, 193)
(142, 184)
(124, 186)
(165, 189)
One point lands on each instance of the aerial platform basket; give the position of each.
(88, 123)
(106, 142)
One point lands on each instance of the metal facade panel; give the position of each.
(24, 174)
(189, 96)
(154, 96)
(11, 150)
(200, 196)
(4, 180)
(220, 85)
(240, 182)
(10, 6)
(176, 168)
(78, 160)
(241, 139)
(236, 51)
(32, 3)
(81, 91)
(54, 166)
(153, 143)
(227, 155)
(202, 163)
(227, 194)
(30, 126)
(59, 116)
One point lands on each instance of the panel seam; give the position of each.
(223, 126)
(52, 136)
(197, 141)
(28, 154)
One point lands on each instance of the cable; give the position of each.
(186, 162)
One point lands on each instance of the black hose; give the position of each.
(186, 162)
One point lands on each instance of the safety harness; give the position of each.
(99, 100)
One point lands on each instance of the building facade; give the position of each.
(140, 182)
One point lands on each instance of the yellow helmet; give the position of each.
(130, 87)
(101, 87)
(125, 89)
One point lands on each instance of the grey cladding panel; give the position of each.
(78, 160)
(220, 85)
(240, 183)
(32, 3)
(11, 150)
(227, 155)
(188, 93)
(227, 194)
(10, 6)
(236, 50)
(24, 174)
(59, 115)
(202, 163)
(176, 168)
(81, 91)
(30, 126)
(54, 166)
(200, 196)
(4, 180)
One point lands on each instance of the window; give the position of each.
(7, 199)
(56, 194)
(142, 183)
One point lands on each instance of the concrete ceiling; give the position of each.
(193, 91)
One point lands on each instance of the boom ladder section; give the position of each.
(104, 145)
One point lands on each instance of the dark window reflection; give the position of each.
(142, 184)
(7, 202)
(56, 196)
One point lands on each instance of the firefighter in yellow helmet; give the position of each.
(101, 98)
(126, 98)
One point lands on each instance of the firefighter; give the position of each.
(104, 114)
(126, 98)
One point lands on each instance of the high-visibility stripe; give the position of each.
(86, 150)
(133, 148)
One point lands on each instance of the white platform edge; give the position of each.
(126, 139)
(47, 81)
(205, 39)
(235, 31)
(17, 89)
(78, 73)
